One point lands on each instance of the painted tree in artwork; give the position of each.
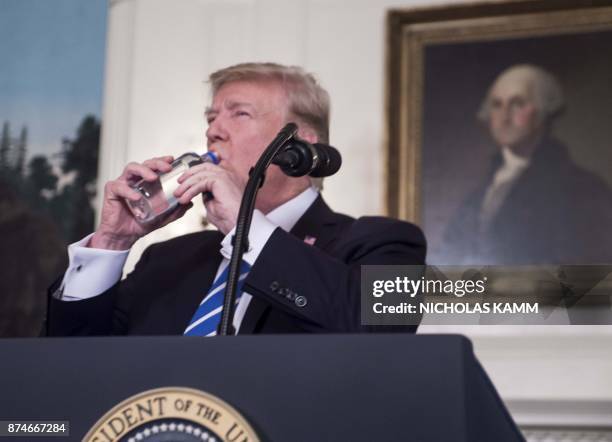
(66, 197)
(13, 153)
(5, 146)
(40, 175)
(21, 151)
(79, 159)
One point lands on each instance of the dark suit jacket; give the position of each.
(161, 294)
(556, 213)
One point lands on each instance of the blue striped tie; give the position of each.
(208, 314)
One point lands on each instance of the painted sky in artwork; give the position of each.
(51, 67)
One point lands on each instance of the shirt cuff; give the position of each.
(261, 230)
(91, 271)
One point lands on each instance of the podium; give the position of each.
(289, 388)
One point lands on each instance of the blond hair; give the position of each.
(308, 102)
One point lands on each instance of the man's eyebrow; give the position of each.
(234, 104)
(230, 105)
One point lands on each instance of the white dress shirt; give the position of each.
(93, 271)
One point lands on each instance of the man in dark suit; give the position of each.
(303, 265)
(536, 205)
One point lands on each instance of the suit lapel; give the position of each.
(318, 222)
(195, 285)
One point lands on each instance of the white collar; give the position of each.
(284, 216)
(514, 161)
(287, 214)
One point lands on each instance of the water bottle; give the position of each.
(157, 197)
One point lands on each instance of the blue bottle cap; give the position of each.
(214, 158)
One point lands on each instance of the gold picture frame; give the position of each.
(413, 34)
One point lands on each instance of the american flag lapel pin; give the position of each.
(310, 240)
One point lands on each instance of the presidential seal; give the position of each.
(172, 414)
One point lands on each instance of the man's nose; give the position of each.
(505, 112)
(216, 131)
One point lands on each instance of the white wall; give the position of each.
(161, 51)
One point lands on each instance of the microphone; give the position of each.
(301, 158)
